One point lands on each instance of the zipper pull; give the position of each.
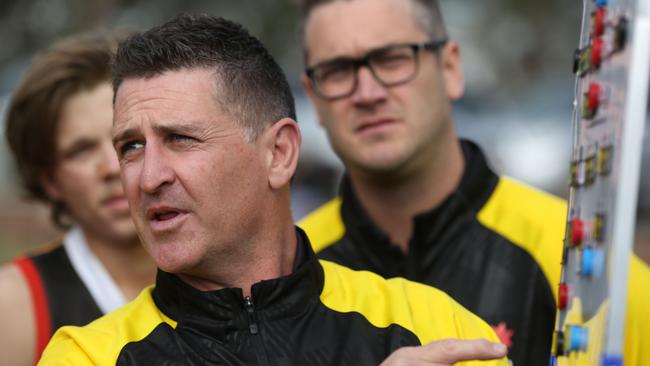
(250, 310)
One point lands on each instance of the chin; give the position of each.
(173, 258)
(382, 165)
(170, 265)
(380, 159)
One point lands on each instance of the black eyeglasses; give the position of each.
(391, 65)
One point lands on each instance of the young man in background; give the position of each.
(59, 131)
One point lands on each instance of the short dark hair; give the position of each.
(426, 12)
(255, 91)
(69, 66)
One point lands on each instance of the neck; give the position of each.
(264, 264)
(128, 264)
(392, 199)
(268, 254)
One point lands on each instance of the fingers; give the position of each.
(446, 353)
(450, 351)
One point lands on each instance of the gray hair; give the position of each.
(427, 15)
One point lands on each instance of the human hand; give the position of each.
(446, 353)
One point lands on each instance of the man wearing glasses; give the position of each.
(416, 201)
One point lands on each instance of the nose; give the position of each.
(156, 172)
(369, 90)
(108, 167)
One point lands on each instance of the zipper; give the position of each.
(252, 319)
(254, 329)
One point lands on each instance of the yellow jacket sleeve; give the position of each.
(425, 311)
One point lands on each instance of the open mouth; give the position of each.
(162, 214)
(167, 215)
(165, 219)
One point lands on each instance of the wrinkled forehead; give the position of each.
(351, 28)
(177, 95)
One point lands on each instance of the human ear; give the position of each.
(50, 187)
(284, 149)
(452, 71)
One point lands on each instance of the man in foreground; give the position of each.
(206, 136)
(419, 203)
(59, 130)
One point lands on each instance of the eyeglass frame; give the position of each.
(431, 45)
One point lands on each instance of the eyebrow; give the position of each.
(124, 135)
(344, 58)
(158, 129)
(79, 143)
(175, 128)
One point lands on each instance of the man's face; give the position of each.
(86, 178)
(378, 128)
(192, 180)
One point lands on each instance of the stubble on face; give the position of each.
(191, 176)
(378, 130)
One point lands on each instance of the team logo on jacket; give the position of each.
(504, 334)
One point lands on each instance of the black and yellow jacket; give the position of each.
(494, 245)
(321, 314)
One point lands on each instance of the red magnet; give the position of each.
(577, 232)
(563, 296)
(599, 22)
(596, 52)
(593, 96)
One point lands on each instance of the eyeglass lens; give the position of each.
(390, 66)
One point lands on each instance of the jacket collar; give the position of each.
(282, 297)
(476, 185)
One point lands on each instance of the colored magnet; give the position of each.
(577, 232)
(563, 296)
(596, 52)
(593, 261)
(578, 338)
(604, 160)
(598, 230)
(612, 360)
(593, 95)
(598, 22)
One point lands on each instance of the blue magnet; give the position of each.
(612, 360)
(593, 261)
(578, 337)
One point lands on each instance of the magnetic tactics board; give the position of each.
(611, 69)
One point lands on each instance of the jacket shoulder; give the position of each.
(637, 322)
(324, 226)
(100, 342)
(425, 311)
(531, 219)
